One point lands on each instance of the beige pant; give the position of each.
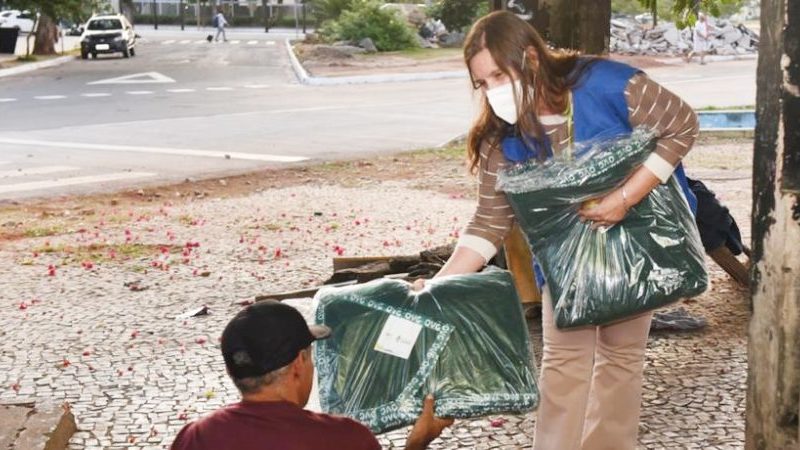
(590, 384)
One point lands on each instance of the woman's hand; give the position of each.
(604, 211)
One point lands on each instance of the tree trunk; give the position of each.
(46, 37)
(582, 25)
(773, 394)
(654, 12)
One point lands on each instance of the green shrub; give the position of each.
(456, 15)
(330, 9)
(366, 19)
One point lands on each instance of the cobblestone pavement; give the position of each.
(90, 308)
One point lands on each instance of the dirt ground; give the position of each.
(438, 60)
(113, 269)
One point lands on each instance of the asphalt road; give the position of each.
(186, 108)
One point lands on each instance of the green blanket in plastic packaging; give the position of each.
(651, 258)
(462, 338)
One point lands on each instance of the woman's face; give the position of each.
(485, 72)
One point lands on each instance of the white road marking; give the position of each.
(221, 88)
(180, 91)
(235, 42)
(3, 162)
(7, 100)
(50, 97)
(171, 41)
(137, 78)
(257, 86)
(34, 185)
(270, 42)
(252, 42)
(35, 171)
(155, 150)
(185, 41)
(139, 92)
(201, 41)
(96, 94)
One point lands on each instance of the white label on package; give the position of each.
(398, 337)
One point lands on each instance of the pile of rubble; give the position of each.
(630, 37)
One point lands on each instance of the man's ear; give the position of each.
(299, 363)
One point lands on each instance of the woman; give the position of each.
(591, 377)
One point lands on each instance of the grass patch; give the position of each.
(727, 108)
(37, 232)
(425, 54)
(104, 252)
(27, 58)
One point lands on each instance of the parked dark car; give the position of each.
(108, 34)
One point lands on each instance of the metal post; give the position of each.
(304, 16)
(180, 7)
(155, 15)
(266, 16)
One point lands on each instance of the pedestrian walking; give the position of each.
(700, 39)
(219, 22)
(591, 377)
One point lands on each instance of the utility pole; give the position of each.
(180, 7)
(266, 15)
(155, 15)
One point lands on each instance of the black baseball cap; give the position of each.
(266, 336)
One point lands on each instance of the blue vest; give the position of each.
(599, 111)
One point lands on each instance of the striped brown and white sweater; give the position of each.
(649, 104)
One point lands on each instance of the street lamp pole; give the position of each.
(266, 15)
(180, 7)
(155, 15)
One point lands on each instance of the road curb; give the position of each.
(304, 78)
(35, 66)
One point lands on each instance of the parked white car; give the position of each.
(108, 33)
(21, 20)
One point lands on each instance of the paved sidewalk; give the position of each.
(91, 298)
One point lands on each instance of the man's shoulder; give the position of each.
(344, 424)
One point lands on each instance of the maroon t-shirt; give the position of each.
(273, 426)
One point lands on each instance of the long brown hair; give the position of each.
(508, 38)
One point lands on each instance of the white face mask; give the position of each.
(501, 99)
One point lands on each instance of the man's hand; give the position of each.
(418, 284)
(427, 427)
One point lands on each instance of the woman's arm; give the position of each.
(490, 223)
(652, 106)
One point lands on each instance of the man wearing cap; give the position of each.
(267, 352)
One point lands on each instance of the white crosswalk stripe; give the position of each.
(171, 41)
(139, 92)
(236, 42)
(201, 41)
(257, 86)
(270, 42)
(252, 42)
(50, 97)
(7, 100)
(220, 88)
(72, 181)
(180, 91)
(95, 94)
(184, 42)
(35, 171)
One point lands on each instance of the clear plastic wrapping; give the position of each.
(463, 339)
(651, 258)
